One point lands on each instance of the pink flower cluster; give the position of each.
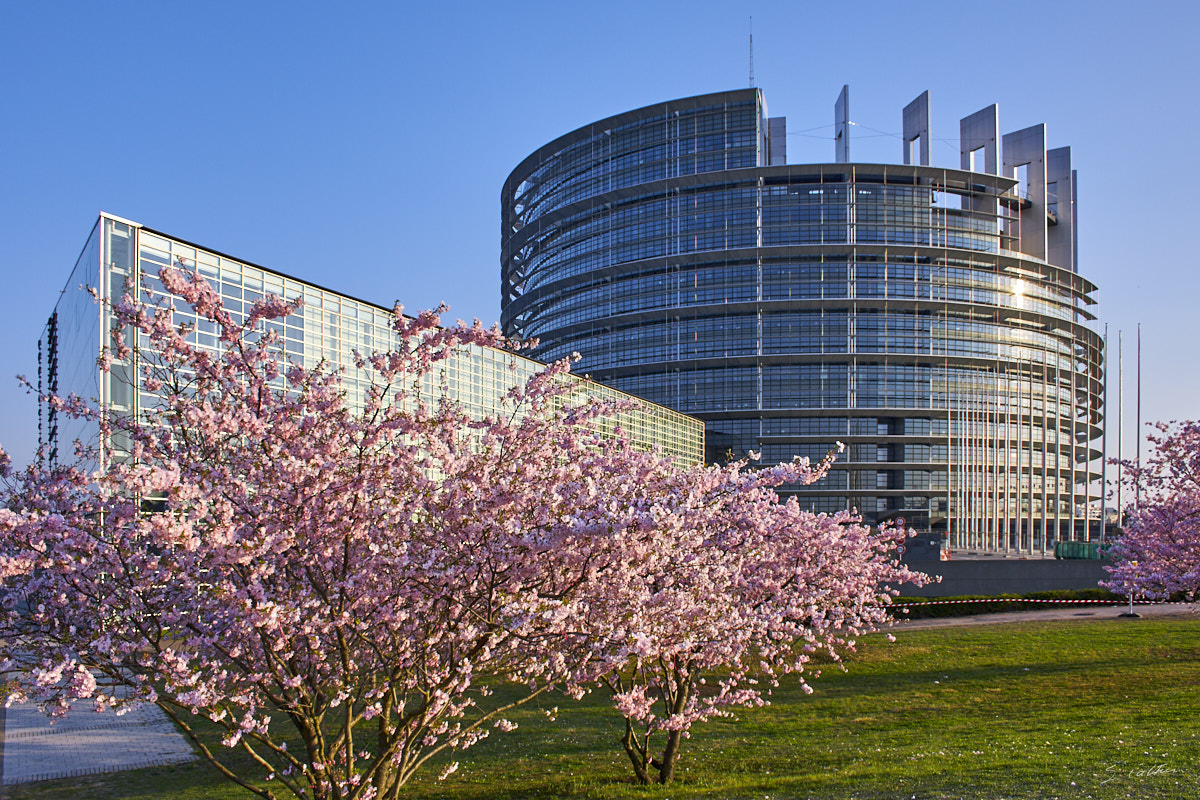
(1159, 553)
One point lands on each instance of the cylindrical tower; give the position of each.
(895, 308)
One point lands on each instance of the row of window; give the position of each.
(677, 338)
(330, 327)
(729, 219)
(681, 290)
(604, 159)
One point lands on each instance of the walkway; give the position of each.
(85, 743)
(1055, 612)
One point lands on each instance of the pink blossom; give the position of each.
(634, 704)
(83, 682)
(1159, 553)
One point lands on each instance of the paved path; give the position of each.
(1055, 612)
(85, 743)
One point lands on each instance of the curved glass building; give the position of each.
(932, 319)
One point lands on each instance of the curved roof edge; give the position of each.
(679, 104)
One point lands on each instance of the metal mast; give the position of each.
(751, 52)
(1137, 483)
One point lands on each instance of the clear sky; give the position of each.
(362, 146)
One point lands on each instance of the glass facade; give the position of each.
(329, 328)
(889, 307)
(67, 353)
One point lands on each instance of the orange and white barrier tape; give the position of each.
(907, 604)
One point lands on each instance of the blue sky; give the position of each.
(362, 146)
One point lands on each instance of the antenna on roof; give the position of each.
(751, 52)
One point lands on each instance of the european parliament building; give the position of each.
(121, 255)
(932, 318)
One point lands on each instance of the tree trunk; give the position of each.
(666, 769)
(637, 754)
(670, 753)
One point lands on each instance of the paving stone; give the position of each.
(85, 743)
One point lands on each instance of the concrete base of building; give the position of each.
(1013, 575)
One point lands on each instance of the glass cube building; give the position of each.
(330, 326)
(931, 318)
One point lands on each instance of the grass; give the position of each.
(941, 607)
(1064, 709)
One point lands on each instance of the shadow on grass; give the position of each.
(1077, 708)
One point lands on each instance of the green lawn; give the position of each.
(1068, 709)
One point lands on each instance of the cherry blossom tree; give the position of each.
(329, 585)
(1159, 553)
(721, 590)
(339, 588)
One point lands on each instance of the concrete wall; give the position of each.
(1028, 146)
(841, 127)
(1005, 576)
(917, 119)
(1062, 239)
(981, 129)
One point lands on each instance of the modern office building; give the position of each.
(932, 318)
(330, 326)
